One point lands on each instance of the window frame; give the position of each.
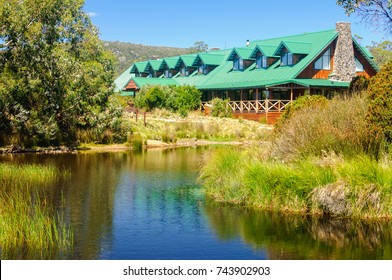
(261, 62)
(319, 64)
(287, 59)
(238, 63)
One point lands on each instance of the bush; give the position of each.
(358, 84)
(179, 99)
(150, 97)
(299, 104)
(184, 99)
(379, 113)
(338, 126)
(221, 108)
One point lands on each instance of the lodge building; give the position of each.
(264, 76)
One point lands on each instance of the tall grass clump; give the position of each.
(358, 187)
(30, 226)
(337, 126)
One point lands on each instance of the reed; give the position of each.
(31, 228)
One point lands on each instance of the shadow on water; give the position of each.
(299, 237)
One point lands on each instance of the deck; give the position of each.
(267, 110)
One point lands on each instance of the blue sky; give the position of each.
(219, 23)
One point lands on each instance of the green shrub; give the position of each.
(358, 84)
(379, 113)
(221, 108)
(179, 99)
(136, 141)
(184, 99)
(150, 97)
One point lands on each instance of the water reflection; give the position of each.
(298, 237)
(149, 206)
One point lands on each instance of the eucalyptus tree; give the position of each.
(377, 13)
(55, 76)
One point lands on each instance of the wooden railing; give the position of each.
(254, 106)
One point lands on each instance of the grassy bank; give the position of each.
(167, 127)
(358, 187)
(323, 159)
(30, 227)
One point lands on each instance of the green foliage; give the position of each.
(30, 227)
(198, 46)
(379, 114)
(150, 97)
(221, 108)
(184, 99)
(358, 84)
(181, 99)
(330, 185)
(136, 140)
(55, 75)
(382, 52)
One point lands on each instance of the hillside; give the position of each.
(128, 53)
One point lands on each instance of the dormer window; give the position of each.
(324, 62)
(203, 69)
(238, 64)
(287, 59)
(168, 73)
(261, 62)
(184, 71)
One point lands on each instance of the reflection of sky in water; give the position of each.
(158, 215)
(149, 206)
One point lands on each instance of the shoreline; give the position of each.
(151, 145)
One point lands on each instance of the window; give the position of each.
(203, 69)
(184, 71)
(324, 62)
(238, 64)
(261, 62)
(287, 59)
(358, 66)
(168, 73)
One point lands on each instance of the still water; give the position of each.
(127, 206)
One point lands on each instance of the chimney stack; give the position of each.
(344, 62)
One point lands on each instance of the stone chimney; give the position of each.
(344, 62)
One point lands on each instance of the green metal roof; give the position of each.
(188, 59)
(139, 66)
(366, 54)
(294, 47)
(140, 81)
(122, 80)
(170, 62)
(209, 58)
(243, 53)
(155, 65)
(268, 51)
(311, 45)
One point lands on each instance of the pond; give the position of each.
(141, 206)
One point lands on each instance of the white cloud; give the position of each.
(92, 14)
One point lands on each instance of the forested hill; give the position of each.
(128, 53)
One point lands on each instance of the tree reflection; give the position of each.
(299, 237)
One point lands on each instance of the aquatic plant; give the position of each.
(30, 226)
